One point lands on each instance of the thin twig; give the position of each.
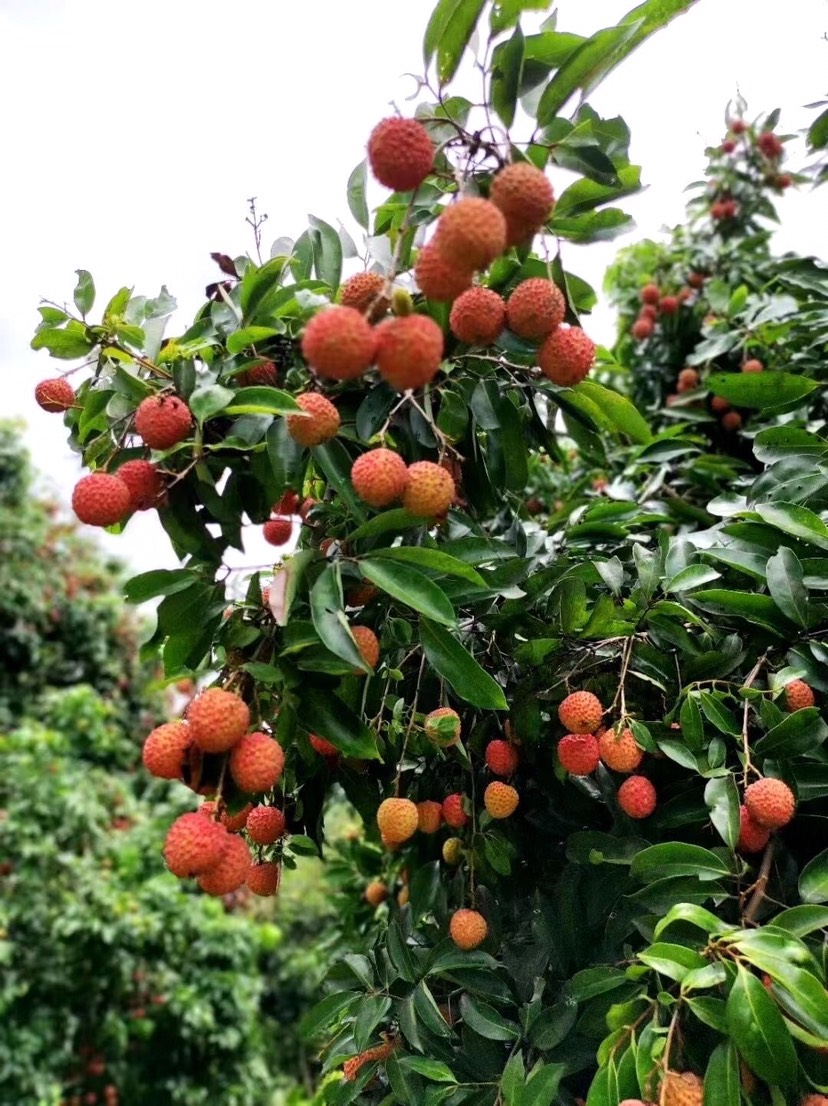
(752, 908)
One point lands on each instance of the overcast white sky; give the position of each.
(132, 135)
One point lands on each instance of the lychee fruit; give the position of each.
(442, 726)
(468, 929)
(265, 824)
(731, 420)
(321, 426)
(719, 405)
(619, 750)
(668, 305)
(145, 484)
(535, 309)
(581, 712)
(770, 802)
(235, 822)
(642, 327)
(339, 343)
(637, 797)
(55, 395)
(429, 490)
(477, 316)
(194, 845)
(164, 749)
(525, 196)
(728, 146)
(232, 869)
(323, 747)
(218, 719)
(360, 595)
(375, 893)
(379, 477)
(263, 878)
(397, 820)
(695, 280)
(409, 351)
(163, 421)
(752, 836)
(100, 499)
(368, 645)
(815, 1099)
(264, 374)
(688, 379)
(682, 1088)
(400, 153)
(650, 293)
(277, 531)
(566, 356)
(452, 851)
(257, 762)
(437, 278)
(471, 233)
(365, 292)
(287, 504)
(430, 816)
(769, 144)
(798, 695)
(500, 799)
(403, 896)
(453, 813)
(501, 757)
(578, 754)
(752, 365)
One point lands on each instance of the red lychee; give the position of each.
(752, 836)
(265, 824)
(535, 309)
(798, 695)
(770, 802)
(500, 799)
(650, 293)
(339, 343)
(164, 749)
(320, 427)
(688, 379)
(231, 871)
(379, 477)
(525, 196)
(478, 316)
(263, 878)
(437, 278)
(163, 421)
(429, 490)
(637, 797)
(409, 351)
(365, 292)
(277, 531)
(145, 484)
(400, 153)
(55, 395)
(668, 305)
(194, 845)
(719, 404)
(368, 646)
(769, 144)
(752, 365)
(453, 813)
(731, 420)
(471, 233)
(468, 929)
(263, 374)
(501, 757)
(738, 126)
(100, 499)
(430, 815)
(375, 893)
(642, 327)
(566, 356)
(237, 821)
(257, 762)
(323, 747)
(581, 712)
(578, 754)
(397, 820)
(619, 750)
(695, 280)
(218, 719)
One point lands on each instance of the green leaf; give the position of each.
(389, 522)
(719, 715)
(457, 666)
(722, 799)
(428, 1012)
(542, 1085)
(160, 581)
(261, 400)
(327, 251)
(711, 1011)
(432, 559)
(335, 462)
(513, 1079)
(68, 344)
(357, 203)
(248, 336)
(585, 195)
(326, 1012)
(722, 1084)
(691, 722)
(372, 1009)
(449, 30)
(330, 620)
(84, 294)
(799, 522)
(813, 880)
(619, 410)
(797, 733)
(785, 583)
(506, 69)
(760, 390)
(759, 1032)
(590, 982)
(677, 859)
(431, 1069)
(486, 1021)
(693, 576)
(802, 920)
(410, 587)
(749, 607)
(674, 961)
(584, 67)
(505, 13)
(209, 400)
(321, 712)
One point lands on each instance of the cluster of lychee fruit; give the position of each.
(656, 305)
(689, 379)
(381, 477)
(741, 138)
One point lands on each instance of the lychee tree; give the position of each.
(575, 755)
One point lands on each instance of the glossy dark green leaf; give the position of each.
(692, 723)
(507, 68)
(759, 1032)
(802, 920)
(209, 400)
(160, 581)
(799, 522)
(447, 35)
(411, 587)
(67, 344)
(431, 1069)
(326, 1012)
(676, 858)
(619, 409)
(716, 712)
(746, 606)
(542, 1085)
(585, 195)
(357, 203)
(797, 733)
(327, 251)
(785, 583)
(434, 560)
(722, 1083)
(813, 880)
(330, 620)
(262, 401)
(584, 67)
(321, 712)
(485, 1020)
(672, 961)
(459, 668)
(722, 799)
(335, 462)
(760, 390)
(370, 1012)
(590, 982)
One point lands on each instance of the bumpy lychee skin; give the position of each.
(798, 695)
(525, 196)
(323, 747)
(218, 719)
(263, 878)
(688, 379)
(642, 327)
(100, 499)
(262, 375)
(397, 820)
(752, 365)
(400, 153)
(471, 233)
(265, 824)
(650, 293)
(437, 278)
(770, 802)
(535, 309)
(375, 893)
(500, 800)
(814, 1100)
(351, 1068)
(581, 712)
(501, 757)
(339, 343)
(468, 929)
(566, 356)
(368, 645)
(769, 144)
(231, 871)
(163, 421)
(145, 484)
(478, 316)
(365, 292)
(619, 750)
(682, 1088)
(322, 425)
(257, 762)
(668, 305)
(236, 822)
(409, 351)
(637, 797)
(164, 749)
(752, 837)
(578, 753)
(194, 845)
(429, 490)
(379, 477)
(452, 851)
(430, 815)
(54, 395)
(277, 531)
(442, 726)
(453, 813)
